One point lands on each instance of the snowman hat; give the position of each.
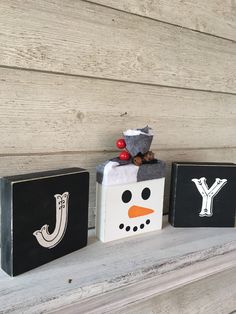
(138, 140)
(116, 171)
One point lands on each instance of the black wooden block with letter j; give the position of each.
(44, 216)
(203, 194)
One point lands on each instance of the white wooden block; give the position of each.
(129, 209)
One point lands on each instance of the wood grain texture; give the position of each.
(11, 165)
(164, 293)
(214, 17)
(51, 121)
(146, 257)
(42, 112)
(81, 38)
(215, 294)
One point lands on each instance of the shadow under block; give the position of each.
(44, 216)
(129, 209)
(203, 194)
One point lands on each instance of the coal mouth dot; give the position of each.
(135, 228)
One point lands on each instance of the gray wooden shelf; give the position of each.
(93, 279)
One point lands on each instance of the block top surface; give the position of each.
(197, 163)
(116, 172)
(43, 174)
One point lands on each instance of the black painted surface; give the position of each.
(186, 201)
(6, 245)
(29, 205)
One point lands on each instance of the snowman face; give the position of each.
(132, 209)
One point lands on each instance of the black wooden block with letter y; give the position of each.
(203, 194)
(44, 216)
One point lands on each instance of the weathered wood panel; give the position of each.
(41, 112)
(81, 38)
(10, 165)
(215, 294)
(214, 17)
(150, 263)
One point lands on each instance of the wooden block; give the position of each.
(130, 196)
(44, 216)
(129, 209)
(203, 194)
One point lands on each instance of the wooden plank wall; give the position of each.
(74, 74)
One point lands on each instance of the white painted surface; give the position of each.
(215, 294)
(112, 212)
(205, 287)
(113, 174)
(100, 268)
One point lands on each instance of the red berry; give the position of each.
(124, 155)
(120, 143)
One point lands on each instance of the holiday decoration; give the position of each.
(202, 194)
(44, 216)
(124, 155)
(120, 143)
(130, 191)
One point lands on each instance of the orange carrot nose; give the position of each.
(136, 211)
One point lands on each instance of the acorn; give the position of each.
(148, 156)
(137, 160)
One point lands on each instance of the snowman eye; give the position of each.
(126, 196)
(146, 193)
